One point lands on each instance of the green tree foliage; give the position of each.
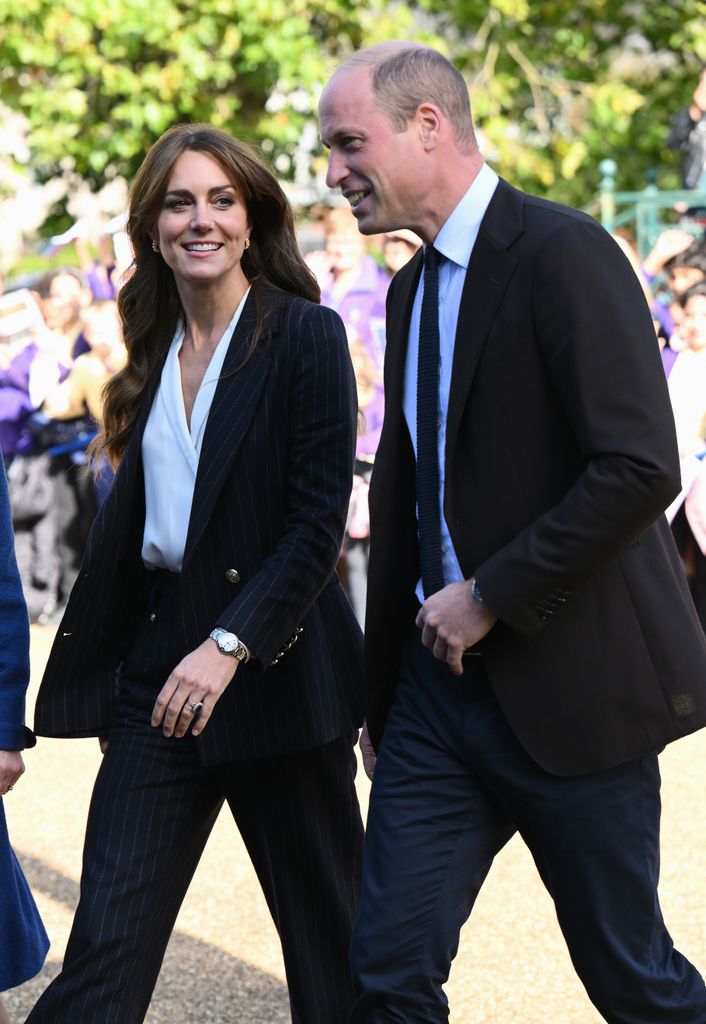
(558, 85)
(99, 80)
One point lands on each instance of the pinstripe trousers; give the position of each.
(152, 810)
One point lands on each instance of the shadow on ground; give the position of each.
(199, 983)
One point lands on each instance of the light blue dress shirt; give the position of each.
(455, 242)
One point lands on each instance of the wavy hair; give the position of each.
(149, 303)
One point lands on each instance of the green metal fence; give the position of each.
(649, 211)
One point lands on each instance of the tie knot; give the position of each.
(432, 258)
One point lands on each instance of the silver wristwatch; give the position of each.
(228, 643)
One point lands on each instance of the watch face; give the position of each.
(228, 643)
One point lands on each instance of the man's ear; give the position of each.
(428, 119)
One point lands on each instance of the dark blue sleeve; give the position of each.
(14, 636)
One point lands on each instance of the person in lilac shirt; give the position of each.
(677, 260)
(355, 286)
(15, 403)
(351, 281)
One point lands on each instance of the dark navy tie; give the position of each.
(428, 429)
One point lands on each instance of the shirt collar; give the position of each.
(457, 237)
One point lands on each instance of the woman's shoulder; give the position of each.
(297, 312)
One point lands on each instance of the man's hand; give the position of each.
(453, 620)
(367, 751)
(199, 678)
(11, 768)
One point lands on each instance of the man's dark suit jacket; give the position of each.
(266, 525)
(560, 458)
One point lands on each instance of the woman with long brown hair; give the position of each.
(208, 638)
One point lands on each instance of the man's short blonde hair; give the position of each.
(405, 75)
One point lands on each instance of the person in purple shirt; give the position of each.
(15, 403)
(676, 261)
(355, 286)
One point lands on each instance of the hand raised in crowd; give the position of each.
(668, 245)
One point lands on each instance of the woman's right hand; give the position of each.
(199, 679)
(11, 769)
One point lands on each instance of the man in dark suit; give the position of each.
(530, 640)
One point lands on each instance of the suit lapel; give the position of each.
(234, 403)
(489, 271)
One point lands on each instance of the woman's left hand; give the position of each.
(11, 768)
(199, 679)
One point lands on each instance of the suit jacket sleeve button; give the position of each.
(233, 576)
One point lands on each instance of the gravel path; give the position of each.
(223, 964)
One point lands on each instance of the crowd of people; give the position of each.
(673, 276)
(189, 433)
(62, 341)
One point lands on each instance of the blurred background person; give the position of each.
(64, 292)
(687, 381)
(23, 940)
(398, 248)
(81, 391)
(676, 262)
(50, 408)
(65, 296)
(80, 394)
(22, 327)
(687, 135)
(354, 284)
(99, 269)
(687, 391)
(24, 361)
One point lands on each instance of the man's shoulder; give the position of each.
(514, 215)
(556, 211)
(288, 311)
(549, 211)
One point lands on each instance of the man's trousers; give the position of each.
(452, 785)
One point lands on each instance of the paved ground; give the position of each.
(223, 964)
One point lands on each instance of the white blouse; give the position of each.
(170, 453)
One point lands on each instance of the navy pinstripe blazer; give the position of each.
(264, 536)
